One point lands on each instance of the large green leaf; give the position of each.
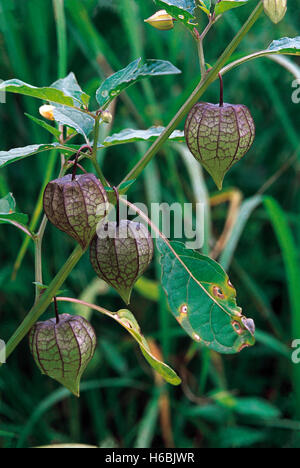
(226, 5)
(203, 300)
(45, 93)
(8, 211)
(70, 87)
(16, 154)
(135, 71)
(182, 10)
(73, 118)
(130, 135)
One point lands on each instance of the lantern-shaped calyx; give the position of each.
(219, 135)
(120, 253)
(161, 20)
(63, 348)
(75, 205)
(275, 9)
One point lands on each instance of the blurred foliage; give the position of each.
(237, 401)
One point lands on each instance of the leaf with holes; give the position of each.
(8, 211)
(135, 71)
(203, 300)
(182, 10)
(225, 5)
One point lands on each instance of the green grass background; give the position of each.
(247, 400)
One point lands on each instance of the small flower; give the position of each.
(161, 20)
(47, 111)
(275, 9)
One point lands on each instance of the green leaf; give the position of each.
(203, 300)
(237, 437)
(45, 93)
(16, 154)
(135, 71)
(70, 87)
(205, 5)
(8, 211)
(128, 321)
(256, 408)
(226, 5)
(182, 10)
(79, 121)
(286, 45)
(54, 131)
(130, 135)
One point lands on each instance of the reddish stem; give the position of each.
(117, 205)
(221, 90)
(78, 165)
(56, 310)
(76, 159)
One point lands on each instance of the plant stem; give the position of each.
(44, 301)
(22, 228)
(94, 152)
(39, 308)
(56, 310)
(200, 38)
(38, 256)
(195, 96)
(221, 91)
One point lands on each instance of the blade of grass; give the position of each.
(147, 425)
(62, 393)
(60, 20)
(247, 207)
(290, 256)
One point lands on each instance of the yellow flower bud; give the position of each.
(275, 9)
(47, 111)
(161, 20)
(106, 117)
